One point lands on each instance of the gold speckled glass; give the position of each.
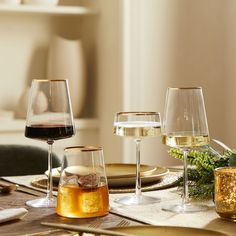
(225, 192)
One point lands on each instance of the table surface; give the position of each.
(31, 222)
(118, 217)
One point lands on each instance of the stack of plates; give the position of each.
(125, 174)
(121, 175)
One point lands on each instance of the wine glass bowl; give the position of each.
(49, 118)
(137, 125)
(184, 126)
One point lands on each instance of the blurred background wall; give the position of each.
(134, 49)
(177, 43)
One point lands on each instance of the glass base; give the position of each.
(42, 202)
(137, 200)
(185, 208)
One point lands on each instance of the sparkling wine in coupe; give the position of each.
(137, 128)
(137, 125)
(185, 140)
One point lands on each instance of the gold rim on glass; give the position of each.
(82, 149)
(185, 88)
(226, 170)
(48, 80)
(138, 113)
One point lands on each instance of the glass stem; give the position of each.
(185, 198)
(49, 184)
(138, 177)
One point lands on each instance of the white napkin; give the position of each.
(12, 214)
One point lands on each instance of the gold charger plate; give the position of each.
(167, 181)
(166, 231)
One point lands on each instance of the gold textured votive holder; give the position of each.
(225, 192)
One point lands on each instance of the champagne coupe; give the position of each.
(137, 125)
(49, 118)
(185, 126)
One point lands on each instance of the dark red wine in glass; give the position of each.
(49, 132)
(49, 118)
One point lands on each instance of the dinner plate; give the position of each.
(55, 174)
(166, 231)
(124, 170)
(155, 176)
(113, 170)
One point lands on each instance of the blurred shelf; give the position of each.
(86, 124)
(18, 125)
(50, 10)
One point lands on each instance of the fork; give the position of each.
(123, 223)
(96, 223)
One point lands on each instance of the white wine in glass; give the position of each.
(185, 126)
(49, 118)
(137, 125)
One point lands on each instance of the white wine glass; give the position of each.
(49, 118)
(137, 125)
(185, 126)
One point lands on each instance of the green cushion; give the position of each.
(24, 160)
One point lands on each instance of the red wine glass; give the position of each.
(49, 118)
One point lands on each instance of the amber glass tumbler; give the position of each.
(83, 189)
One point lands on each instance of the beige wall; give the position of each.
(107, 71)
(144, 46)
(228, 124)
(183, 43)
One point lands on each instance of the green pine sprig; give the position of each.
(201, 174)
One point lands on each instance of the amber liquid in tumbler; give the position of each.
(79, 202)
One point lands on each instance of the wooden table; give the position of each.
(151, 214)
(31, 222)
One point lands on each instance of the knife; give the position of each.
(6, 187)
(29, 191)
(86, 229)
